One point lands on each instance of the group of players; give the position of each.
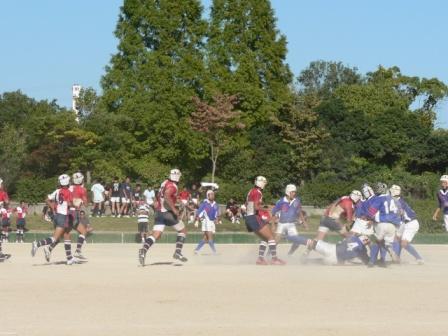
(373, 222)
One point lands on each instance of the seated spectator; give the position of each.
(233, 211)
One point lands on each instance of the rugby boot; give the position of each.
(179, 256)
(277, 261)
(261, 261)
(47, 253)
(142, 256)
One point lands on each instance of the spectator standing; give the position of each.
(126, 197)
(21, 212)
(98, 198)
(149, 195)
(115, 197)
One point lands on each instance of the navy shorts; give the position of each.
(6, 222)
(253, 223)
(20, 223)
(62, 221)
(330, 223)
(165, 218)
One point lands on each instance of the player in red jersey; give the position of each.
(79, 201)
(342, 208)
(21, 212)
(166, 214)
(60, 200)
(254, 223)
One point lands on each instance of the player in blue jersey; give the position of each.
(362, 225)
(383, 211)
(409, 225)
(208, 214)
(442, 197)
(288, 210)
(350, 248)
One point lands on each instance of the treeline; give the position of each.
(328, 129)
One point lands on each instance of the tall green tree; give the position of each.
(157, 69)
(246, 56)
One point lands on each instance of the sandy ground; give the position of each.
(218, 295)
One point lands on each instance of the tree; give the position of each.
(12, 153)
(217, 122)
(151, 79)
(246, 56)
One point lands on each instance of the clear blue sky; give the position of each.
(48, 45)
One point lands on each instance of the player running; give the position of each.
(60, 200)
(408, 228)
(288, 210)
(255, 224)
(208, 214)
(166, 215)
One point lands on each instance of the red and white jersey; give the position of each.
(61, 197)
(4, 198)
(21, 212)
(342, 208)
(253, 199)
(166, 186)
(79, 194)
(6, 213)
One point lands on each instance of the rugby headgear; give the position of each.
(367, 191)
(175, 175)
(444, 178)
(290, 188)
(380, 188)
(365, 240)
(64, 180)
(356, 196)
(209, 192)
(78, 178)
(261, 182)
(395, 190)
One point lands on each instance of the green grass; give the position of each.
(112, 224)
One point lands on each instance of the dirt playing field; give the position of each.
(218, 295)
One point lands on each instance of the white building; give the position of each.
(76, 89)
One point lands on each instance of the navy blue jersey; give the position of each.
(442, 197)
(288, 211)
(383, 209)
(407, 214)
(350, 248)
(362, 208)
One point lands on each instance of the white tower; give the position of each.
(76, 88)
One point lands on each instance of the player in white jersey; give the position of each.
(143, 221)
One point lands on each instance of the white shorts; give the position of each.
(208, 226)
(115, 199)
(445, 220)
(160, 227)
(386, 232)
(407, 231)
(125, 200)
(328, 251)
(286, 229)
(361, 227)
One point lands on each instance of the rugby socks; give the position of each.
(383, 252)
(53, 245)
(211, 243)
(374, 253)
(200, 244)
(273, 248)
(81, 240)
(148, 243)
(412, 251)
(396, 247)
(297, 241)
(262, 248)
(68, 249)
(180, 239)
(46, 241)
